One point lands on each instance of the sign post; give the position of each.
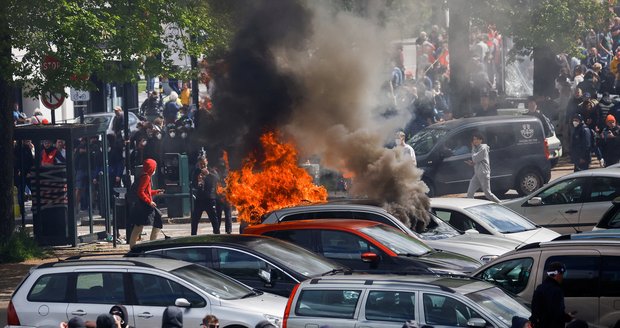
(52, 100)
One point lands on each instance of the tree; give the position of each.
(116, 40)
(543, 28)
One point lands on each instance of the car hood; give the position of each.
(265, 303)
(533, 236)
(449, 262)
(515, 204)
(475, 245)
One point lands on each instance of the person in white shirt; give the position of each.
(407, 151)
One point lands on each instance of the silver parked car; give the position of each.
(489, 218)
(574, 202)
(390, 301)
(56, 292)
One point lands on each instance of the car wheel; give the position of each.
(528, 181)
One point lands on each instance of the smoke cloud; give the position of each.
(317, 74)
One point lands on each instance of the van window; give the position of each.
(328, 303)
(49, 288)
(100, 288)
(581, 277)
(610, 276)
(459, 143)
(390, 306)
(424, 141)
(499, 137)
(512, 275)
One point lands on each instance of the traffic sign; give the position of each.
(79, 95)
(50, 64)
(52, 100)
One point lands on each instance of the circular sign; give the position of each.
(52, 100)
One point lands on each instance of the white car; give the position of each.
(489, 218)
(56, 292)
(574, 202)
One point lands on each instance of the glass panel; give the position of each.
(398, 242)
(302, 238)
(423, 141)
(158, 291)
(328, 303)
(610, 276)
(193, 255)
(498, 303)
(390, 306)
(564, 192)
(604, 189)
(501, 218)
(239, 265)
(49, 288)
(212, 282)
(446, 311)
(100, 288)
(581, 276)
(344, 245)
(512, 275)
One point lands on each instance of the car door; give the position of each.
(387, 309)
(602, 191)
(452, 172)
(47, 300)
(153, 293)
(347, 248)
(95, 292)
(245, 267)
(441, 310)
(560, 205)
(328, 307)
(512, 275)
(502, 141)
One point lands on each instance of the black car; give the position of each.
(261, 262)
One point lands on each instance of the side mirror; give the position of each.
(472, 232)
(370, 257)
(266, 276)
(182, 302)
(476, 322)
(534, 201)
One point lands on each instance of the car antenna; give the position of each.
(528, 238)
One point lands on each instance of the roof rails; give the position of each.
(82, 255)
(369, 282)
(76, 261)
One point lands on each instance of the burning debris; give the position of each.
(275, 183)
(315, 74)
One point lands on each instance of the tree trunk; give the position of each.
(458, 39)
(7, 220)
(546, 70)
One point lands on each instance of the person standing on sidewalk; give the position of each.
(144, 211)
(205, 185)
(581, 144)
(482, 169)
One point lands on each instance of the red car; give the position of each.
(367, 246)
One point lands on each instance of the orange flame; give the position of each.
(280, 182)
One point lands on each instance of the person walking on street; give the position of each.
(482, 169)
(407, 151)
(205, 184)
(581, 143)
(610, 142)
(548, 309)
(144, 211)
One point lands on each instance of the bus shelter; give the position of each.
(53, 185)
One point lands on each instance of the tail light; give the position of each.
(11, 316)
(287, 310)
(547, 153)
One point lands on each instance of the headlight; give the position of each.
(488, 258)
(275, 320)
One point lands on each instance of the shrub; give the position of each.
(21, 246)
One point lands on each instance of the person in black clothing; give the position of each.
(548, 309)
(487, 104)
(610, 142)
(580, 147)
(150, 107)
(222, 205)
(532, 110)
(205, 185)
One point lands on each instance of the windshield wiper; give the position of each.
(253, 293)
(335, 271)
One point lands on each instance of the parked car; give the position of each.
(489, 218)
(55, 292)
(591, 283)
(518, 154)
(106, 120)
(437, 234)
(261, 262)
(574, 202)
(611, 218)
(366, 246)
(390, 301)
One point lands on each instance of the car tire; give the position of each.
(528, 181)
(431, 188)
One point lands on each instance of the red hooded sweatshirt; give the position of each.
(144, 191)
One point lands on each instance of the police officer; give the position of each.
(548, 309)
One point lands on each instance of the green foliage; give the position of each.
(19, 247)
(557, 24)
(117, 40)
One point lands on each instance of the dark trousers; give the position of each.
(208, 205)
(222, 205)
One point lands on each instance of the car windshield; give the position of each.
(499, 304)
(396, 241)
(301, 260)
(501, 218)
(436, 229)
(212, 282)
(423, 141)
(100, 119)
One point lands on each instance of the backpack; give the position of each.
(132, 194)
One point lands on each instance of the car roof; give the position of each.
(156, 263)
(223, 239)
(606, 172)
(458, 202)
(448, 283)
(339, 224)
(451, 124)
(596, 234)
(346, 204)
(575, 243)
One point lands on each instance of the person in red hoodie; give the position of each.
(144, 211)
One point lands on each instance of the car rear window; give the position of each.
(49, 288)
(331, 303)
